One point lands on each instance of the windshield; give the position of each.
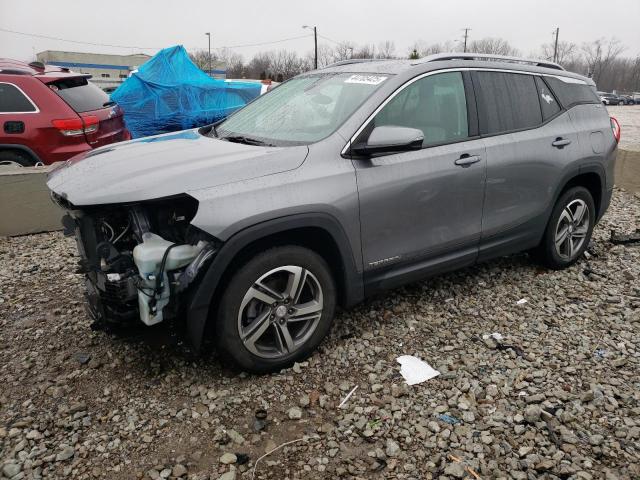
(301, 111)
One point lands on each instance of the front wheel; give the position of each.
(276, 309)
(569, 229)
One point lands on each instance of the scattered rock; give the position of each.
(179, 471)
(455, 470)
(532, 413)
(66, 453)
(393, 449)
(294, 413)
(228, 458)
(11, 469)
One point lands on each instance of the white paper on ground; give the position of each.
(495, 335)
(415, 370)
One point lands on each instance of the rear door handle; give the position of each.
(466, 160)
(561, 142)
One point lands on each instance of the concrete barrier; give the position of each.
(628, 170)
(25, 205)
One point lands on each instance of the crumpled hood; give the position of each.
(165, 165)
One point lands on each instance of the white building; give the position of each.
(106, 70)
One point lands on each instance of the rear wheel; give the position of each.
(276, 309)
(569, 230)
(12, 158)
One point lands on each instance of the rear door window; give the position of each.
(550, 107)
(435, 104)
(12, 100)
(80, 94)
(506, 102)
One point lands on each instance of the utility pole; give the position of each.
(466, 35)
(208, 34)
(315, 45)
(555, 47)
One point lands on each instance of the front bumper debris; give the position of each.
(131, 272)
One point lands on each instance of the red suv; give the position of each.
(49, 114)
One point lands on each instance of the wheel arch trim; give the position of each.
(22, 148)
(200, 299)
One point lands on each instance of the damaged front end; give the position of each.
(139, 259)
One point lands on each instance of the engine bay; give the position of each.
(138, 258)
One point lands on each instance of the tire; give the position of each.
(260, 329)
(15, 158)
(575, 239)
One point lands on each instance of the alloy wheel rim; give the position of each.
(280, 311)
(571, 230)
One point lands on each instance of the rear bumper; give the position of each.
(63, 153)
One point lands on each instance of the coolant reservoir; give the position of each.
(148, 254)
(148, 257)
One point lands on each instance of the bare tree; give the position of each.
(233, 61)
(386, 49)
(493, 46)
(365, 51)
(600, 54)
(601, 58)
(201, 58)
(285, 64)
(343, 51)
(259, 66)
(567, 52)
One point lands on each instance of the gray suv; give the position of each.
(340, 183)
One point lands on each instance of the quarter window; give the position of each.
(12, 100)
(571, 92)
(434, 104)
(550, 107)
(506, 102)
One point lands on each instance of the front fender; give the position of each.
(204, 292)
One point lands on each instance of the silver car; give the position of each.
(337, 184)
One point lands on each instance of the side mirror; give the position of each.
(389, 138)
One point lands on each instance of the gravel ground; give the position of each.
(557, 397)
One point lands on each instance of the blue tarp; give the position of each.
(170, 93)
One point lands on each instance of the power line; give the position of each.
(76, 41)
(330, 39)
(265, 43)
(145, 48)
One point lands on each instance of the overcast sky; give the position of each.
(163, 23)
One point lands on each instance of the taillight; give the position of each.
(126, 135)
(70, 127)
(615, 127)
(91, 123)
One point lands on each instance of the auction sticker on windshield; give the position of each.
(366, 79)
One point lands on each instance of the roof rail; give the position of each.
(354, 60)
(488, 57)
(14, 71)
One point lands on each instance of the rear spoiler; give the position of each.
(49, 77)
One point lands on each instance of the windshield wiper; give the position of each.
(110, 103)
(246, 140)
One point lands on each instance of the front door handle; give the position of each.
(466, 160)
(561, 142)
